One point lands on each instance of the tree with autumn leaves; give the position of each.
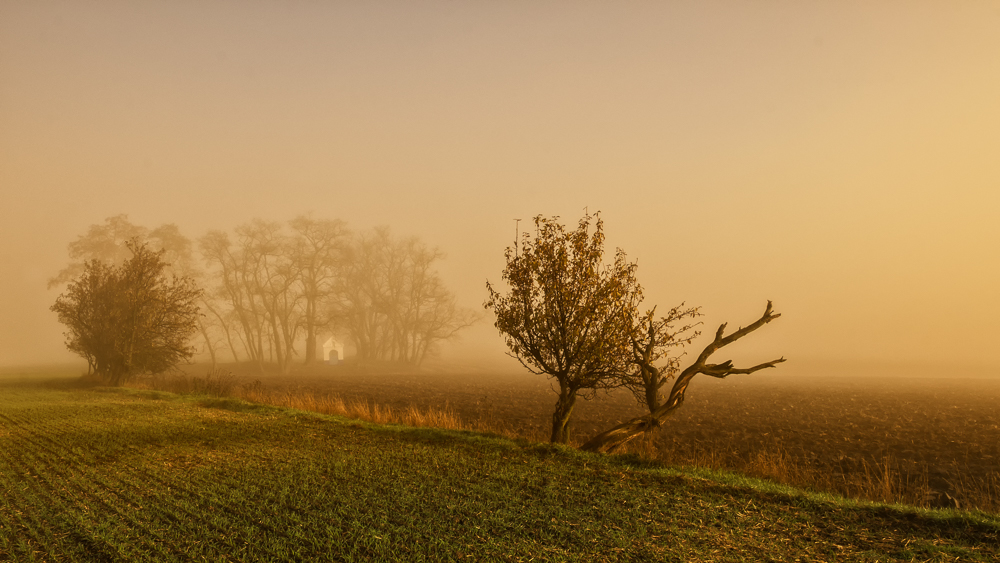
(570, 316)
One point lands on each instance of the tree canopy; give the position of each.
(130, 318)
(567, 314)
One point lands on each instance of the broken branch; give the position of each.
(620, 435)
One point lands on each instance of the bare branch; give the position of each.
(623, 433)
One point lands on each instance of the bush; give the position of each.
(130, 319)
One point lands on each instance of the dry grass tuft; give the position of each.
(882, 480)
(332, 404)
(879, 480)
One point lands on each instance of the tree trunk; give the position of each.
(560, 419)
(310, 326)
(225, 329)
(652, 390)
(208, 342)
(310, 344)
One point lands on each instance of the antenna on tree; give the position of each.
(517, 234)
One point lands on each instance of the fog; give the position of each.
(838, 159)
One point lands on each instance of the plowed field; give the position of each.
(938, 438)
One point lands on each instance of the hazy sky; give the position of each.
(839, 158)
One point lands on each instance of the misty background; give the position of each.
(840, 159)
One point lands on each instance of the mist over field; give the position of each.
(836, 159)
(814, 185)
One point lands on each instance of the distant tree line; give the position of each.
(268, 290)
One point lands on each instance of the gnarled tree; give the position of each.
(653, 340)
(618, 436)
(567, 314)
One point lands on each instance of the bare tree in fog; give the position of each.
(359, 303)
(129, 319)
(318, 248)
(105, 243)
(109, 243)
(227, 293)
(241, 319)
(391, 301)
(275, 281)
(568, 315)
(260, 283)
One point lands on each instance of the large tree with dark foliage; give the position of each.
(567, 314)
(131, 318)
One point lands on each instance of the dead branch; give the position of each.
(620, 435)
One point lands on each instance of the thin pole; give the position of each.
(517, 234)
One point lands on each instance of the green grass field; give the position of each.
(124, 475)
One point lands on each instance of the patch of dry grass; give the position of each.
(222, 383)
(878, 481)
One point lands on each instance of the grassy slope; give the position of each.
(94, 475)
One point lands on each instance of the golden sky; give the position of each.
(839, 158)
